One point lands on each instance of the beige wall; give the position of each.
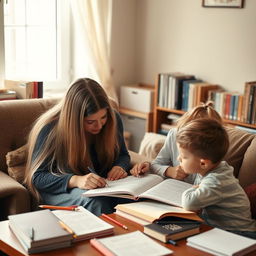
(215, 44)
(123, 41)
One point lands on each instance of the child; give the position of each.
(202, 144)
(166, 163)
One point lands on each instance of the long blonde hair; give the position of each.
(203, 110)
(67, 145)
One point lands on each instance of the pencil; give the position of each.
(114, 221)
(55, 207)
(63, 225)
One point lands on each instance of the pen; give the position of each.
(114, 221)
(172, 242)
(93, 171)
(64, 226)
(54, 207)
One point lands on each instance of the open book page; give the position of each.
(84, 224)
(134, 243)
(169, 191)
(129, 187)
(151, 211)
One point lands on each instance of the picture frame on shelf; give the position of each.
(223, 3)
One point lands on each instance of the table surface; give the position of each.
(11, 246)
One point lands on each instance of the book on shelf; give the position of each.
(84, 224)
(133, 243)
(26, 89)
(248, 98)
(152, 211)
(220, 242)
(6, 94)
(170, 89)
(186, 93)
(149, 186)
(173, 229)
(39, 231)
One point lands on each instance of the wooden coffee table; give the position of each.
(11, 246)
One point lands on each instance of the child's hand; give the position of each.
(175, 172)
(139, 169)
(195, 186)
(116, 173)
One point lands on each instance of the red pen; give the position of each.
(55, 207)
(114, 221)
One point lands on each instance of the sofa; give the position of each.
(17, 118)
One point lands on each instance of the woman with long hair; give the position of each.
(76, 146)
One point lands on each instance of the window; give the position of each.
(36, 41)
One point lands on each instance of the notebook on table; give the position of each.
(221, 242)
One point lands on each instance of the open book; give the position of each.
(151, 211)
(84, 224)
(149, 186)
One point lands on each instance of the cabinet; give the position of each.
(136, 123)
(136, 109)
(161, 114)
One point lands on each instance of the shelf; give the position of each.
(161, 113)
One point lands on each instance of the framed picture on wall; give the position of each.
(223, 3)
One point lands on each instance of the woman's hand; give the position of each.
(139, 169)
(175, 172)
(88, 181)
(116, 173)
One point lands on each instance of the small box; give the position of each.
(137, 97)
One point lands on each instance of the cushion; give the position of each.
(16, 162)
(151, 144)
(251, 193)
(239, 143)
(247, 174)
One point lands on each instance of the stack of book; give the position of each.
(26, 89)
(39, 231)
(6, 94)
(46, 230)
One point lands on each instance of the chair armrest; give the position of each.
(14, 198)
(137, 158)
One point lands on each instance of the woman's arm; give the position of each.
(43, 179)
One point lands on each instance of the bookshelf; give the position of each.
(161, 113)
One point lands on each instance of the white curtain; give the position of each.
(93, 17)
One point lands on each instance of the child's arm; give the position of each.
(201, 196)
